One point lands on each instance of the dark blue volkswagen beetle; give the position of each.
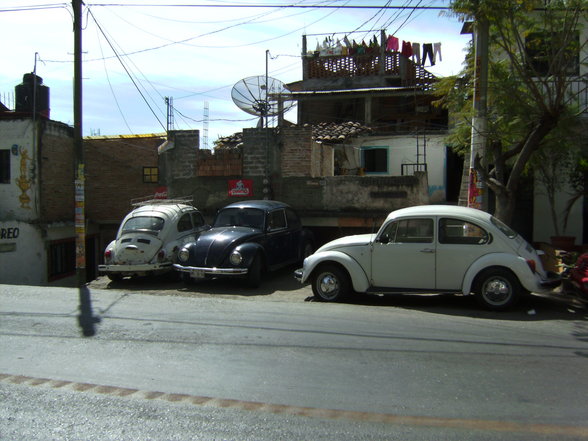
(246, 239)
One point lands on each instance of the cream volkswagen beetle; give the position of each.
(149, 238)
(431, 248)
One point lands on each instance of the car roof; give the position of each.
(441, 210)
(167, 209)
(261, 204)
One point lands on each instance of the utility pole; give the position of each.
(79, 172)
(477, 191)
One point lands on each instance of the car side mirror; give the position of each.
(384, 239)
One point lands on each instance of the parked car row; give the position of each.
(246, 239)
(417, 249)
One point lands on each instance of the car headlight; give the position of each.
(236, 258)
(183, 255)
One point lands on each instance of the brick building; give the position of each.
(37, 236)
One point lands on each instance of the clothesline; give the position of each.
(411, 50)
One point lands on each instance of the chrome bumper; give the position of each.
(199, 272)
(298, 274)
(139, 268)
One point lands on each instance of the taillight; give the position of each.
(108, 255)
(161, 255)
(532, 264)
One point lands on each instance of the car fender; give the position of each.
(249, 250)
(516, 264)
(110, 246)
(359, 279)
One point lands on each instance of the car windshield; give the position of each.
(503, 227)
(143, 223)
(240, 217)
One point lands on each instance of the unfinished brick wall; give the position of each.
(114, 173)
(260, 147)
(219, 163)
(297, 152)
(56, 149)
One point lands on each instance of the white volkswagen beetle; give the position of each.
(149, 238)
(431, 248)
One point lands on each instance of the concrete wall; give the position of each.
(542, 231)
(23, 258)
(296, 164)
(405, 150)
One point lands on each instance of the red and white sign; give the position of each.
(240, 188)
(160, 193)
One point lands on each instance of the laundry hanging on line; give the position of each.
(412, 50)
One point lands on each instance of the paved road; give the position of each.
(214, 356)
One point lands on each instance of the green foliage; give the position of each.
(533, 56)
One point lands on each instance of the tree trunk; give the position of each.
(506, 191)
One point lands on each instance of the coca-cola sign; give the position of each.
(160, 193)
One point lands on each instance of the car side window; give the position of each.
(415, 231)
(197, 219)
(456, 231)
(185, 223)
(408, 231)
(389, 233)
(276, 220)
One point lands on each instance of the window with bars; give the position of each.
(151, 175)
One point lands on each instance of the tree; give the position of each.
(536, 53)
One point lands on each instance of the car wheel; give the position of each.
(254, 273)
(115, 277)
(330, 283)
(497, 289)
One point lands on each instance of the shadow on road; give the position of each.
(281, 285)
(277, 281)
(530, 308)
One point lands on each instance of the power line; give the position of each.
(126, 69)
(286, 6)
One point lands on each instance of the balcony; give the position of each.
(394, 67)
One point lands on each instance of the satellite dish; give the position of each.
(259, 96)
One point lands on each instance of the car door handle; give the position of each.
(428, 250)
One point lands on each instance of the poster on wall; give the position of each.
(240, 188)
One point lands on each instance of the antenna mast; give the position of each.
(205, 126)
(169, 102)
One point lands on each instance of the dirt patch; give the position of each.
(276, 286)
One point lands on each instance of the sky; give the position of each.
(137, 53)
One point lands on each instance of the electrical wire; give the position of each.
(112, 89)
(127, 71)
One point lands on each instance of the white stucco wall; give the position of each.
(543, 227)
(19, 198)
(408, 150)
(23, 258)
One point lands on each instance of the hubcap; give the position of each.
(497, 290)
(328, 285)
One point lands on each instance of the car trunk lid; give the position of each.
(137, 247)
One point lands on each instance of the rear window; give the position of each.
(143, 223)
(503, 227)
